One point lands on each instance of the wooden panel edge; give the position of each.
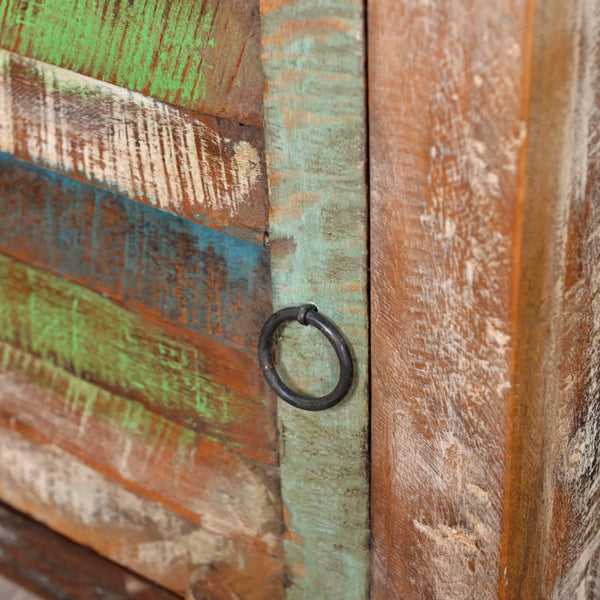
(552, 521)
(313, 58)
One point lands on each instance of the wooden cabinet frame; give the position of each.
(429, 164)
(484, 263)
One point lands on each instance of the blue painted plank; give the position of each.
(152, 261)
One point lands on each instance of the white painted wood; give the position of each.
(172, 158)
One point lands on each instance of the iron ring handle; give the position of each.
(305, 315)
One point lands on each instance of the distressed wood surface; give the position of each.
(174, 462)
(313, 57)
(133, 418)
(187, 475)
(10, 591)
(79, 502)
(552, 541)
(447, 139)
(55, 568)
(157, 263)
(142, 451)
(195, 382)
(484, 142)
(201, 55)
(202, 168)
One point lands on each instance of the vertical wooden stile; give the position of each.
(552, 519)
(485, 254)
(313, 57)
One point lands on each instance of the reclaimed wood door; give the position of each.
(143, 242)
(173, 171)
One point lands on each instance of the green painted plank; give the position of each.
(136, 447)
(198, 54)
(196, 382)
(124, 416)
(313, 57)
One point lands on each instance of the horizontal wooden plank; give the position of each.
(197, 382)
(187, 474)
(75, 500)
(204, 280)
(201, 55)
(142, 451)
(55, 568)
(202, 168)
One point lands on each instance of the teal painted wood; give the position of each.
(313, 58)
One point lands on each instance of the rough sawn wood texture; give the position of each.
(313, 57)
(485, 253)
(552, 539)
(56, 568)
(139, 533)
(133, 283)
(201, 54)
(202, 168)
(147, 260)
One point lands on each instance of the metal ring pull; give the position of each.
(305, 315)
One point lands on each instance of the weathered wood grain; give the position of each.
(201, 55)
(78, 502)
(313, 57)
(485, 254)
(183, 472)
(10, 591)
(142, 451)
(202, 168)
(55, 568)
(199, 383)
(448, 95)
(552, 524)
(158, 263)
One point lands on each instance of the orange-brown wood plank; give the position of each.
(127, 443)
(157, 263)
(485, 253)
(552, 523)
(55, 568)
(203, 55)
(202, 168)
(182, 473)
(448, 109)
